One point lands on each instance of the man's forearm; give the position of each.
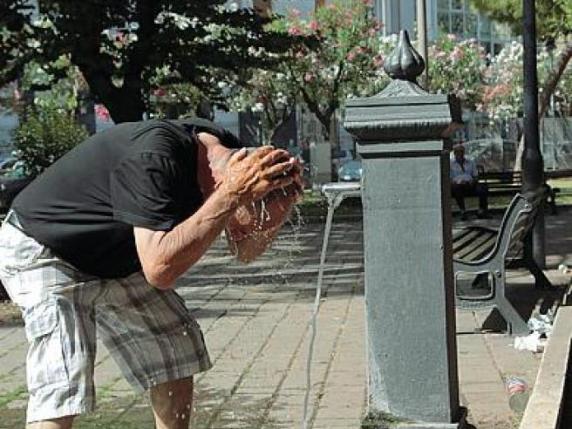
(174, 252)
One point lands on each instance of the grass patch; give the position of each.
(381, 420)
(6, 398)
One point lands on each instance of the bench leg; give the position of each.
(516, 325)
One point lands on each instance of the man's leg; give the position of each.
(61, 423)
(458, 192)
(58, 326)
(156, 342)
(482, 192)
(172, 403)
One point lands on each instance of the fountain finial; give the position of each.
(404, 63)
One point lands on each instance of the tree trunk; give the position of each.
(547, 92)
(125, 106)
(334, 135)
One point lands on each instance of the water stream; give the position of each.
(335, 194)
(316, 308)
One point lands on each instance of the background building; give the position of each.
(443, 17)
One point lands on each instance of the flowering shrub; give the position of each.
(502, 96)
(268, 94)
(344, 61)
(458, 67)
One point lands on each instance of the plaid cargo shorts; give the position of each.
(148, 331)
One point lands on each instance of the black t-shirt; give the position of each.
(84, 207)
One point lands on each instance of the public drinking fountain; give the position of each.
(402, 138)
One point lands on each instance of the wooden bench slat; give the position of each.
(477, 246)
(482, 250)
(459, 243)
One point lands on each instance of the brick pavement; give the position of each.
(256, 324)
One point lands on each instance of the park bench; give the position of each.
(485, 253)
(509, 183)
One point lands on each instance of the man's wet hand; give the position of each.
(252, 177)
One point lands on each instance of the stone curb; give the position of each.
(546, 402)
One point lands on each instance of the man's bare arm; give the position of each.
(165, 255)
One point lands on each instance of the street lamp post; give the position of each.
(422, 38)
(532, 162)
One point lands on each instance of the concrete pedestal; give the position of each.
(412, 356)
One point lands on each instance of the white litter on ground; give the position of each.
(541, 327)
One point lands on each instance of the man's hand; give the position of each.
(254, 226)
(252, 177)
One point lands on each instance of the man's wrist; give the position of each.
(230, 199)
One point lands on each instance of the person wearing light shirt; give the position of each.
(464, 182)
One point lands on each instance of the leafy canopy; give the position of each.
(553, 17)
(120, 45)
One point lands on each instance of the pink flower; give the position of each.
(314, 26)
(102, 113)
(160, 92)
(308, 77)
(294, 31)
(351, 56)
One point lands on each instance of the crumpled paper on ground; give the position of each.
(541, 327)
(534, 343)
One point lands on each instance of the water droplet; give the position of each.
(170, 393)
(177, 415)
(182, 416)
(188, 406)
(185, 333)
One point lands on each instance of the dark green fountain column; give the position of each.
(402, 138)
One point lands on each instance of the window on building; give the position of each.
(459, 17)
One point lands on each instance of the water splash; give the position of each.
(264, 213)
(316, 309)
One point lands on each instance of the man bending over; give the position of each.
(94, 245)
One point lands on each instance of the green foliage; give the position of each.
(44, 136)
(381, 420)
(457, 67)
(266, 93)
(343, 62)
(553, 17)
(502, 93)
(55, 85)
(120, 45)
(174, 100)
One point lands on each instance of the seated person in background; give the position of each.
(464, 182)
